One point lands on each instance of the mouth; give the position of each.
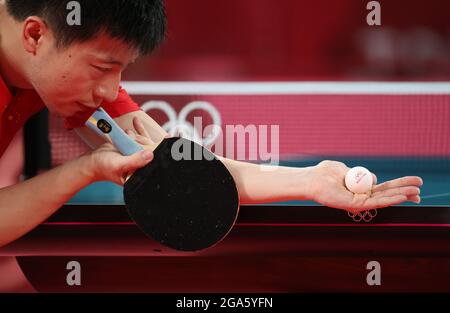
(90, 106)
(82, 107)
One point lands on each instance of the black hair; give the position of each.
(139, 23)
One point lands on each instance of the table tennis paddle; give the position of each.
(185, 198)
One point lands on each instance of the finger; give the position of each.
(125, 176)
(399, 182)
(131, 134)
(375, 179)
(140, 128)
(145, 141)
(135, 161)
(415, 199)
(407, 191)
(382, 202)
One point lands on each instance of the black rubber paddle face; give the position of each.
(188, 204)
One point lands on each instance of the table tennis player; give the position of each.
(71, 70)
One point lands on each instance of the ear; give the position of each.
(34, 28)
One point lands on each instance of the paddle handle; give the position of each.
(103, 125)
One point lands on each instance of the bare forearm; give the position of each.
(264, 183)
(26, 205)
(256, 183)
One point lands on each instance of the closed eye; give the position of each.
(102, 69)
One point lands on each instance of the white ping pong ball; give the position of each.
(359, 180)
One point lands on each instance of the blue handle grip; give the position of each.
(102, 124)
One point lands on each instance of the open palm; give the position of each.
(329, 189)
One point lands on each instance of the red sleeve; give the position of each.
(122, 105)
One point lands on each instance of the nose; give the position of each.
(108, 89)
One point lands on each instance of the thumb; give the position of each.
(375, 179)
(137, 160)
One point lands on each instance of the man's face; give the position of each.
(81, 76)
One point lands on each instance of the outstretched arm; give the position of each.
(323, 183)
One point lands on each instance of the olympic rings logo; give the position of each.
(178, 125)
(365, 216)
